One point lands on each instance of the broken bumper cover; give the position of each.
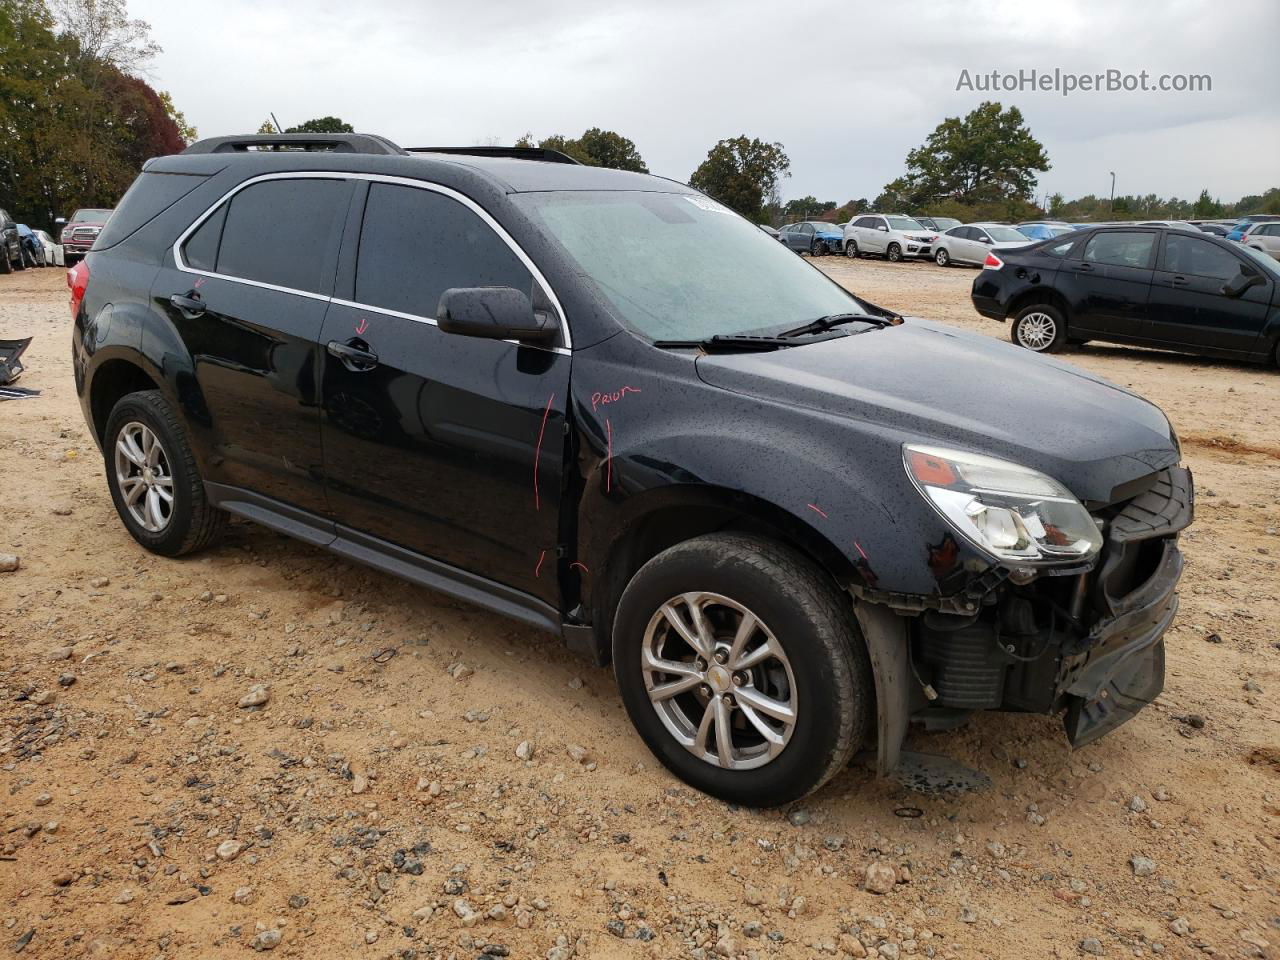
(1121, 666)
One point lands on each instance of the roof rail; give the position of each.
(514, 153)
(270, 142)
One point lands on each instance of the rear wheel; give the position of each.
(154, 481)
(894, 253)
(741, 666)
(1040, 328)
(942, 258)
(5, 265)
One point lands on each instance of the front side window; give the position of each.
(415, 244)
(1120, 249)
(681, 267)
(1184, 253)
(280, 232)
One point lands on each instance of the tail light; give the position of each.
(78, 281)
(992, 262)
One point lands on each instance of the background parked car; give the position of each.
(52, 251)
(1172, 224)
(10, 245)
(814, 237)
(1217, 229)
(1043, 231)
(938, 224)
(1264, 237)
(892, 236)
(1149, 286)
(971, 242)
(769, 230)
(1238, 229)
(79, 232)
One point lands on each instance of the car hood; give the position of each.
(926, 382)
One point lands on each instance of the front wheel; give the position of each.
(741, 666)
(942, 258)
(817, 248)
(154, 481)
(894, 253)
(5, 265)
(851, 249)
(1040, 328)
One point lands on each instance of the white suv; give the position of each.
(892, 236)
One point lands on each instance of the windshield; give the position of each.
(682, 267)
(90, 216)
(946, 223)
(1005, 235)
(1271, 267)
(903, 223)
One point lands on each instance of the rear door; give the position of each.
(247, 295)
(1188, 307)
(1107, 287)
(447, 446)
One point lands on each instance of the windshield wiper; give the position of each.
(834, 320)
(726, 343)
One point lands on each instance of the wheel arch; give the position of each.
(112, 380)
(1046, 295)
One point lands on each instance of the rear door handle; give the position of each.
(1179, 281)
(354, 354)
(190, 306)
(1084, 267)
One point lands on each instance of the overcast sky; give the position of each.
(848, 88)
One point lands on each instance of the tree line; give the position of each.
(76, 121)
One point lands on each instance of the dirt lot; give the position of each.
(428, 780)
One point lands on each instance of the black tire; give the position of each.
(812, 621)
(1050, 323)
(193, 523)
(894, 253)
(941, 257)
(5, 265)
(21, 262)
(817, 248)
(851, 249)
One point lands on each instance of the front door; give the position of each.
(1107, 288)
(448, 446)
(1188, 307)
(247, 297)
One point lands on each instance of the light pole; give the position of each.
(1112, 208)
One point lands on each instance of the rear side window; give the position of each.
(281, 232)
(149, 196)
(1184, 253)
(1120, 249)
(415, 244)
(1059, 249)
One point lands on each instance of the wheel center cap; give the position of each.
(148, 475)
(719, 678)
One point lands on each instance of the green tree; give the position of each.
(595, 148)
(1206, 207)
(989, 155)
(741, 173)
(185, 130)
(321, 125)
(267, 126)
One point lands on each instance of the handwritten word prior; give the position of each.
(602, 399)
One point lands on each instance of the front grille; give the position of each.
(85, 234)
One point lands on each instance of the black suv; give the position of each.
(1148, 286)
(11, 257)
(603, 404)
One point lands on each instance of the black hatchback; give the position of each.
(1147, 286)
(605, 405)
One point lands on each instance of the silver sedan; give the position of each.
(971, 242)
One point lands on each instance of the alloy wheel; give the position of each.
(143, 476)
(894, 253)
(1037, 330)
(851, 250)
(719, 680)
(942, 258)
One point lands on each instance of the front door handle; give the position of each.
(1179, 281)
(1084, 267)
(190, 306)
(354, 354)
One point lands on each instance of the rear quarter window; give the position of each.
(149, 196)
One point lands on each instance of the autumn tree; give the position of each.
(595, 148)
(741, 173)
(987, 156)
(320, 125)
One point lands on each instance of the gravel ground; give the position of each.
(266, 748)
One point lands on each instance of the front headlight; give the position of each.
(1010, 511)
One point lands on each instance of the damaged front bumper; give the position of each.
(1088, 645)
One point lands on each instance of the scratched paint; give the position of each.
(580, 566)
(537, 453)
(599, 399)
(198, 283)
(816, 509)
(363, 325)
(537, 570)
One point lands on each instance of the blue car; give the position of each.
(1243, 224)
(814, 237)
(1042, 231)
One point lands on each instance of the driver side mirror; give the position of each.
(493, 313)
(881, 227)
(984, 239)
(1241, 282)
